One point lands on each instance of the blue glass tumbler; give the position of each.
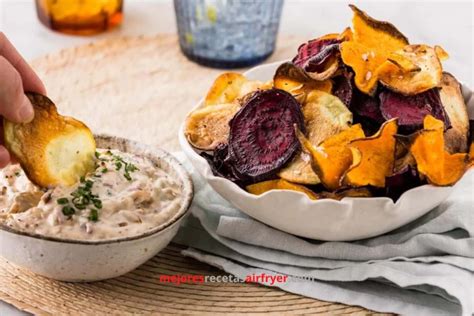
(228, 33)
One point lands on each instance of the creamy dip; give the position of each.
(125, 196)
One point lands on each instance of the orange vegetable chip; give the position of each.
(265, 186)
(332, 157)
(225, 89)
(424, 75)
(372, 43)
(440, 167)
(373, 157)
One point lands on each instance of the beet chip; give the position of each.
(404, 180)
(319, 57)
(219, 164)
(411, 110)
(343, 88)
(262, 134)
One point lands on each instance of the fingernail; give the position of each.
(26, 112)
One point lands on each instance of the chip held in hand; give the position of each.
(52, 149)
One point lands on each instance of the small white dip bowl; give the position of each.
(76, 260)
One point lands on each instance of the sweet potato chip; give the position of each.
(52, 149)
(456, 137)
(325, 115)
(332, 157)
(225, 89)
(425, 75)
(294, 80)
(440, 167)
(265, 186)
(372, 43)
(372, 158)
(207, 127)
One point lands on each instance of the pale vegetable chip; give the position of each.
(207, 127)
(425, 75)
(52, 149)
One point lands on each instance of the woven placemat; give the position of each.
(141, 88)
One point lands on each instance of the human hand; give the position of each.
(16, 77)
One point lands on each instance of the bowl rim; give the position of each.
(208, 175)
(161, 154)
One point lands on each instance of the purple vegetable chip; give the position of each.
(262, 136)
(368, 107)
(366, 111)
(343, 88)
(221, 165)
(402, 181)
(313, 55)
(411, 110)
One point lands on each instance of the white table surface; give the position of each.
(446, 23)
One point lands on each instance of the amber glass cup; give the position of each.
(80, 17)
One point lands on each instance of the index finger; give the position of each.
(31, 81)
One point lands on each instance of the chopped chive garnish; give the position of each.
(63, 201)
(94, 215)
(97, 203)
(68, 210)
(97, 155)
(105, 170)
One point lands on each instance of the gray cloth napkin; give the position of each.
(423, 268)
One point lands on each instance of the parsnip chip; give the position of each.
(250, 86)
(325, 115)
(299, 170)
(372, 43)
(294, 80)
(440, 167)
(52, 149)
(225, 89)
(265, 186)
(372, 157)
(207, 127)
(332, 157)
(441, 53)
(402, 61)
(456, 137)
(425, 75)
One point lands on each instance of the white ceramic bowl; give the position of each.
(73, 260)
(348, 219)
